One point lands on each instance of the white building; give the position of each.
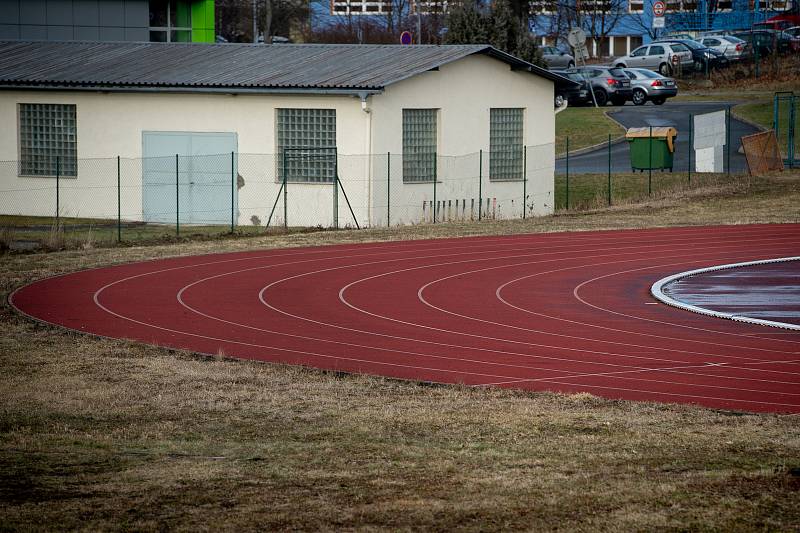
(468, 124)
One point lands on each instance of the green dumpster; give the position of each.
(651, 153)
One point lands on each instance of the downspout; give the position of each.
(368, 151)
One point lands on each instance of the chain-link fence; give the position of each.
(134, 199)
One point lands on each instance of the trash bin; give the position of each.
(663, 148)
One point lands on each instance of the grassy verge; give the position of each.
(101, 434)
(585, 126)
(763, 113)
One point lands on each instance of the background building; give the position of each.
(108, 20)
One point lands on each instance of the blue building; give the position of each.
(623, 25)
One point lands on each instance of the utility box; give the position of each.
(651, 148)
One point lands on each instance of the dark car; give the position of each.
(610, 84)
(574, 95)
(704, 58)
(760, 42)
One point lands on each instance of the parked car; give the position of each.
(794, 31)
(555, 58)
(702, 56)
(733, 47)
(574, 95)
(791, 39)
(774, 25)
(648, 85)
(657, 56)
(762, 42)
(608, 83)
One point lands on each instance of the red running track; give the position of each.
(563, 312)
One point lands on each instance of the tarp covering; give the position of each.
(660, 132)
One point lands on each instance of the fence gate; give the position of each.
(786, 122)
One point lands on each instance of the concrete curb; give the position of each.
(592, 148)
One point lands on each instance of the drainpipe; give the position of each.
(368, 151)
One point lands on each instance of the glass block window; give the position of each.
(505, 144)
(48, 137)
(419, 144)
(313, 130)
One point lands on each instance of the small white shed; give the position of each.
(210, 132)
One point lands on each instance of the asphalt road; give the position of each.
(675, 114)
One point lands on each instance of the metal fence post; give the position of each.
(691, 144)
(233, 192)
(119, 202)
(524, 181)
(177, 199)
(609, 169)
(650, 164)
(480, 181)
(285, 209)
(388, 189)
(336, 191)
(567, 207)
(435, 203)
(728, 140)
(58, 190)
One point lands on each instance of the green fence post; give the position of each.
(524, 180)
(691, 144)
(728, 140)
(58, 190)
(388, 189)
(567, 207)
(336, 190)
(119, 202)
(609, 169)
(233, 192)
(177, 199)
(480, 180)
(435, 204)
(285, 195)
(650, 165)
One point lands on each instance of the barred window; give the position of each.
(307, 145)
(505, 144)
(419, 145)
(48, 140)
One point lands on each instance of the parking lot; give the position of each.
(673, 114)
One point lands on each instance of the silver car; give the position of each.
(649, 85)
(556, 58)
(661, 57)
(733, 47)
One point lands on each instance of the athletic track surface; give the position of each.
(564, 312)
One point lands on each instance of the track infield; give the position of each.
(567, 312)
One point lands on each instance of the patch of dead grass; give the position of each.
(107, 434)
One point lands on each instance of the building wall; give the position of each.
(92, 20)
(111, 124)
(464, 92)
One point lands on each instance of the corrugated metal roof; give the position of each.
(306, 67)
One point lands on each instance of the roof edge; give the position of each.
(190, 89)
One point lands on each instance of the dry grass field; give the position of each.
(109, 434)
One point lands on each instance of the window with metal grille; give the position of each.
(419, 145)
(307, 145)
(505, 144)
(48, 142)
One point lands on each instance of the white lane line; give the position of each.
(657, 290)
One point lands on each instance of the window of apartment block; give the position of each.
(170, 21)
(419, 145)
(306, 145)
(505, 144)
(48, 140)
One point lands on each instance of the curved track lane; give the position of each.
(562, 311)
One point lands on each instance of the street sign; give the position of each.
(576, 37)
(659, 8)
(658, 22)
(405, 37)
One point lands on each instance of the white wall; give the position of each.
(464, 92)
(111, 124)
